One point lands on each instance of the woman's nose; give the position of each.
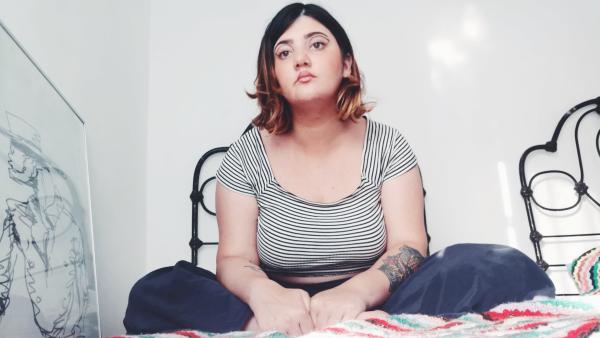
(302, 59)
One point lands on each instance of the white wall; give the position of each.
(471, 84)
(96, 54)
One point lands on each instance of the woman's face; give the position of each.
(308, 62)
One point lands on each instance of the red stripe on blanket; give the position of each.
(516, 313)
(346, 333)
(528, 326)
(585, 329)
(385, 324)
(189, 334)
(446, 326)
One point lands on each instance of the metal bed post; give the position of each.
(196, 196)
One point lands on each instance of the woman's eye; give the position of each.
(318, 45)
(283, 54)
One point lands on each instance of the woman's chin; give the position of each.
(310, 98)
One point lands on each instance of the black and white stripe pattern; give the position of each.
(303, 238)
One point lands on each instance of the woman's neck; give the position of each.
(316, 129)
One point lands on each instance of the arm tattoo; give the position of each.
(399, 266)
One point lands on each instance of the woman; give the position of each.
(320, 210)
(311, 161)
(311, 154)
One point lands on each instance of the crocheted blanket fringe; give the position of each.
(536, 318)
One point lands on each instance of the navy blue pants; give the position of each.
(461, 278)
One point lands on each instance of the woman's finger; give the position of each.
(332, 319)
(372, 314)
(293, 329)
(306, 324)
(316, 317)
(347, 316)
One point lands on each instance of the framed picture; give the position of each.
(47, 269)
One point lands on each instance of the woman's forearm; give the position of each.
(377, 283)
(242, 277)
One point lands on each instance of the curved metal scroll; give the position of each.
(197, 196)
(579, 184)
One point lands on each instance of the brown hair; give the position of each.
(275, 112)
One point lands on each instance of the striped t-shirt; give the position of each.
(297, 237)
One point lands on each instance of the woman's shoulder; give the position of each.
(248, 139)
(382, 129)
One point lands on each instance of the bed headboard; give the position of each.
(197, 196)
(581, 188)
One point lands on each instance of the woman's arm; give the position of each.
(237, 258)
(273, 306)
(402, 203)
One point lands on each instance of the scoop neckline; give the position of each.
(286, 191)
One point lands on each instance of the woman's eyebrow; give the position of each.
(306, 36)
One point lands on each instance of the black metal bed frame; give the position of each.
(197, 196)
(580, 186)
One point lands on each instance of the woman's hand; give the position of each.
(373, 314)
(281, 309)
(335, 305)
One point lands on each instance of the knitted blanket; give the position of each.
(566, 317)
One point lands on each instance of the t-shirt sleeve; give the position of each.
(401, 158)
(231, 172)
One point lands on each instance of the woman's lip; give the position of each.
(305, 78)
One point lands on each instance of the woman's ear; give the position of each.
(348, 59)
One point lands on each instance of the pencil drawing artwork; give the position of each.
(44, 233)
